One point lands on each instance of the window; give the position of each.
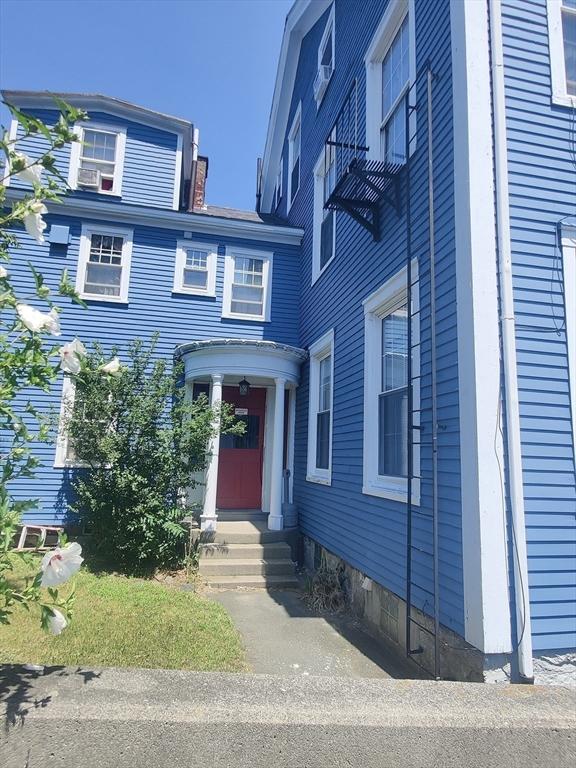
(569, 271)
(247, 281)
(324, 234)
(294, 157)
(386, 390)
(320, 409)
(66, 455)
(390, 71)
(562, 43)
(104, 263)
(97, 159)
(278, 187)
(195, 270)
(325, 60)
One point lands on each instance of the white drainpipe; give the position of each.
(507, 320)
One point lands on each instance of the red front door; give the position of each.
(240, 465)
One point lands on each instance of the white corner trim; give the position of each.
(556, 51)
(296, 124)
(484, 554)
(376, 306)
(212, 262)
(76, 150)
(178, 171)
(569, 270)
(84, 253)
(319, 350)
(12, 134)
(254, 253)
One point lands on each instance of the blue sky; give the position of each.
(211, 61)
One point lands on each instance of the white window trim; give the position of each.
(569, 272)
(177, 174)
(76, 151)
(390, 23)
(12, 135)
(279, 184)
(319, 350)
(84, 253)
(297, 121)
(266, 257)
(330, 27)
(66, 404)
(557, 62)
(319, 174)
(377, 306)
(181, 247)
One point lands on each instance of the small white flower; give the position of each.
(112, 368)
(60, 564)
(57, 622)
(70, 356)
(33, 221)
(37, 321)
(3, 272)
(31, 175)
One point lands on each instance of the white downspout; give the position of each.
(525, 664)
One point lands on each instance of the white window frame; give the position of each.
(330, 27)
(569, 273)
(296, 123)
(266, 257)
(318, 351)
(557, 61)
(392, 20)
(76, 152)
(318, 218)
(211, 264)
(279, 183)
(377, 306)
(66, 405)
(84, 254)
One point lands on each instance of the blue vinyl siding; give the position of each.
(149, 162)
(542, 192)
(152, 307)
(370, 532)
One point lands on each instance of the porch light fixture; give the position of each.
(244, 387)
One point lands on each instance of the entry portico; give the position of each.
(218, 366)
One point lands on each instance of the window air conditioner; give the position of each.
(321, 81)
(89, 177)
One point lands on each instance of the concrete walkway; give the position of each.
(126, 718)
(283, 637)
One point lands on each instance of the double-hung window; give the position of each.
(247, 281)
(569, 273)
(386, 354)
(390, 71)
(562, 43)
(294, 138)
(73, 405)
(104, 263)
(320, 410)
(195, 270)
(324, 234)
(325, 60)
(97, 159)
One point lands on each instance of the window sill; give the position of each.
(103, 299)
(320, 479)
(98, 191)
(318, 275)
(564, 100)
(189, 292)
(392, 492)
(250, 318)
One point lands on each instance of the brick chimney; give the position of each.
(199, 182)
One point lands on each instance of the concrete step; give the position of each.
(244, 532)
(233, 515)
(256, 581)
(271, 551)
(250, 567)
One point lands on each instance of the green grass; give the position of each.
(125, 622)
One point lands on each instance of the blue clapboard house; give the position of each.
(396, 322)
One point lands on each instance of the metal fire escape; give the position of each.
(363, 188)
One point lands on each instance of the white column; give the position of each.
(275, 520)
(209, 516)
(291, 430)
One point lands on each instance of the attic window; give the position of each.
(325, 60)
(97, 159)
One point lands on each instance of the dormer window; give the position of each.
(97, 159)
(325, 60)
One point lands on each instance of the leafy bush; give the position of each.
(141, 440)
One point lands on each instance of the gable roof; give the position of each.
(300, 20)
